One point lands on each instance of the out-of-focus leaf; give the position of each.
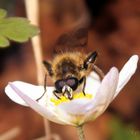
(3, 42)
(122, 132)
(16, 29)
(3, 13)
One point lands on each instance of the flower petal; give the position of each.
(127, 72)
(44, 111)
(104, 95)
(80, 106)
(108, 86)
(74, 111)
(34, 92)
(84, 107)
(91, 109)
(93, 83)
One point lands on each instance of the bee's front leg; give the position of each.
(55, 92)
(98, 71)
(45, 89)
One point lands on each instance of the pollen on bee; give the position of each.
(75, 96)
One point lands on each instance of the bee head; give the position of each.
(64, 76)
(72, 82)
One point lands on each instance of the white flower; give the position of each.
(82, 108)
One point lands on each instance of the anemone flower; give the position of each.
(81, 109)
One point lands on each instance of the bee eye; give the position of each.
(59, 85)
(72, 82)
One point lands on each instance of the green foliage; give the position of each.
(15, 28)
(122, 132)
(2, 13)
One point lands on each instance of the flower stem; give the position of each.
(80, 132)
(33, 16)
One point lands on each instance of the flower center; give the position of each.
(75, 96)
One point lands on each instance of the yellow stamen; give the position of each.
(75, 96)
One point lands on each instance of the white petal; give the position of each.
(91, 108)
(76, 106)
(34, 92)
(42, 110)
(70, 110)
(105, 94)
(80, 106)
(127, 72)
(93, 83)
(108, 86)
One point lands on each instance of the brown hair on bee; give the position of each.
(69, 70)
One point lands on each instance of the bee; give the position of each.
(69, 71)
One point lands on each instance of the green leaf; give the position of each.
(3, 13)
(16, 29)
(122, 132)
(3, 41)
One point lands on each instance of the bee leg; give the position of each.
(84, 80)
(55, 93)
(99, 71)
(45, 89)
